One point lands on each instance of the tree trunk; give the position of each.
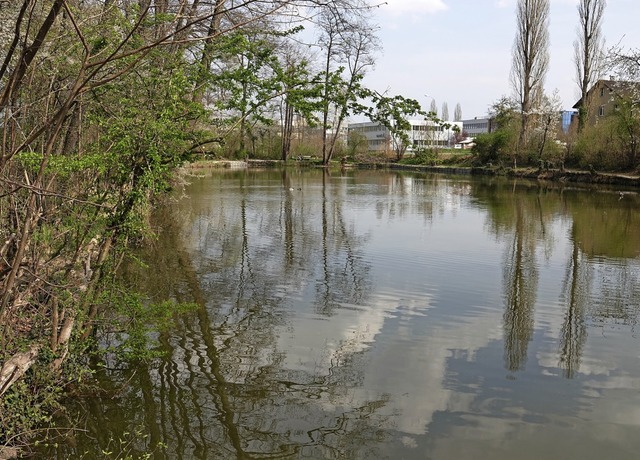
(207, 52)
(287, 130)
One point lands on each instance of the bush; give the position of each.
(490, 147)
(597, 147)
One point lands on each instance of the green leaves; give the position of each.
(133, 320)
(392, 113)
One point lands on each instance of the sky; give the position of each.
(459, 51)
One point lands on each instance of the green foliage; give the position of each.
(132, 130)
(125, 447)
(504, 112)
(553, 153)
(28, 405)
(626, 120)
(344, 91)
(499, 146)
(252, 78)
(301, 87)
(22, 410)
(596, 147)
(132, 321)
(423, 157)
(145, 131)
(246, 79)
(356, 144)
(392, 113)
(611, 144)
(107, 112)
(491, 147)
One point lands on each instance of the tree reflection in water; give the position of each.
(518, 217)
(576, 288)
(221, 389)
(344, 277)
(603, 227)
(520, 283)
(276, 259)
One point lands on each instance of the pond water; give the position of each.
(384, 315)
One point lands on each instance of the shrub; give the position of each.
(597, 147)
(490, 147)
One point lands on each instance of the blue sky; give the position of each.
(460, 50)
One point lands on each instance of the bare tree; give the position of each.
(445, 112)
(588, 49)
(348, 40)
(625, 63)
(457, 113)
(530, 57)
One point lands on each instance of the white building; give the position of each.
(423, 134)
(377, 136)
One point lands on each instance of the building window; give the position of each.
(601, 111)
(601, 92)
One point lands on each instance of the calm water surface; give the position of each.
(375, 315)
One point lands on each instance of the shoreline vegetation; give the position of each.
(541, 174)
(101, 101)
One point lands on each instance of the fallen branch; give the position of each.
(16, 367)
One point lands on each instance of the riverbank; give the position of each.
(555, 175)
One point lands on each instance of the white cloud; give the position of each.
(413, 6)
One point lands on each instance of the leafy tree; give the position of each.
(300, 91)
(499, 145)
(356, 144)
(626, 118)
(245, 81)
(392, 113)
(503, 112)
(627, 127)
(490, 148)
(100, 101)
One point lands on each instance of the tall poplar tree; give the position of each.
(588, 48)
(457, 113)
(434, 107)
(445, 112)
(530, 58)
